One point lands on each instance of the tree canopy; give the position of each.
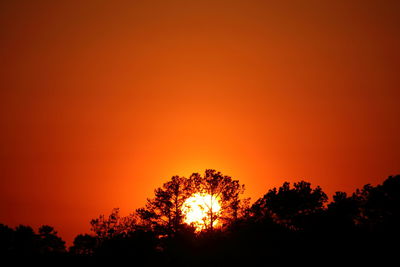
(164, 212)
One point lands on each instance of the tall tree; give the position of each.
(221, 188)
(163, 213)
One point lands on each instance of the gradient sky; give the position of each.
(103, 101)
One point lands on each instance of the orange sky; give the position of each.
(102, 101)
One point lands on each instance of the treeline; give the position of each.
(23, 243)
(293, 225)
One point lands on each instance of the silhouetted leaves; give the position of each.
(22, 244)
(49, 241)
(224, 189)
(288, 226)
(287, 205)
(84, 245)
(113, 225)
(163, 213)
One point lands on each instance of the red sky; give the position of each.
(103, 101)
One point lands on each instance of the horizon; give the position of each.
(69, 239)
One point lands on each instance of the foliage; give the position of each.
(113, 225)
(49, 241)
(22, 242)
(288, 226)
(287, 204)
(224, 189)
(163, 213)
(379, 206)
(84, 245)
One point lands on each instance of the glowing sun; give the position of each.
(197, 209)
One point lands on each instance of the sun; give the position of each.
(197, 208)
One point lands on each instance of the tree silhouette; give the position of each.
(288, 226)
(286, 205)
(22, 245)
(49, 241)
(342, 212)
(84, 244)
(139, 246)
(7, 240)
(26, 241)
(107, 227)
(163, 213)
(379, 206)
(220, 188)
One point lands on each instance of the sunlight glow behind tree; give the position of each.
(197, 209)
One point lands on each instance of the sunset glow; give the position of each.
(103, 101)
(197, 210)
